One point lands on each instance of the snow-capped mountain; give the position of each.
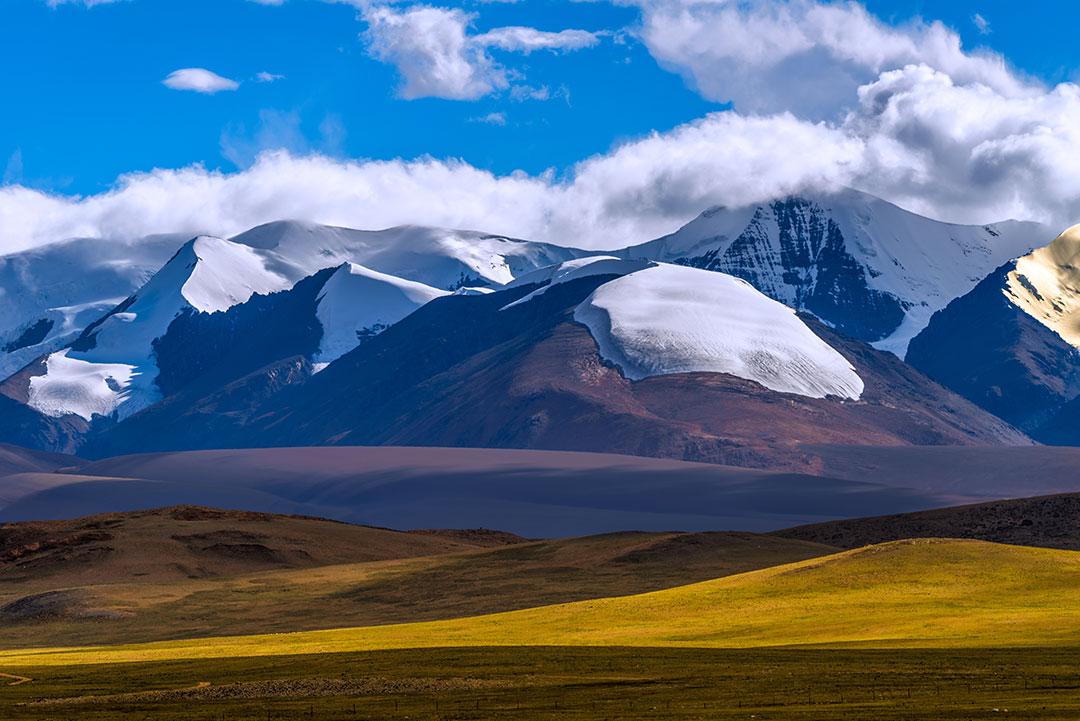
(356, 303)
(50, 294)
(1012, 345)
(429, 336)
(438, 257)
(864, 266)
(111, 367)
(670, 319)
(671, 362)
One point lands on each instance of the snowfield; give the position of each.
(673, 319)
(79, 387)
(438, 257)
(66, 286)
(574, 269)
(358, 301)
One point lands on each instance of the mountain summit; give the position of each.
(866, 267)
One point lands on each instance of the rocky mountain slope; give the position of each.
(489, 371)
(866, 267)
(1011, 344)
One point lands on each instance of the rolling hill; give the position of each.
(184, 572)
(914, 594)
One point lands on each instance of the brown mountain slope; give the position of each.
(466, 373)
(70, 591)
(1046, 521)
(191, 542)
(136, 595)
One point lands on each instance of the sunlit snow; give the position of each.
(673, 319)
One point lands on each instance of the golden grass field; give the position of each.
(128, 593)
(926, 593)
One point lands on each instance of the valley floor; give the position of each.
(566, 683)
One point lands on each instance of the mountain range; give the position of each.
(748, 337)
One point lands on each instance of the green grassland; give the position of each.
(928, 630)
(926, 593)
(527, 684)
(111, 605)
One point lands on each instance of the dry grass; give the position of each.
(944, 594)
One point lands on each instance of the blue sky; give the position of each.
(89, 104)
(92, 106)
(595, 123)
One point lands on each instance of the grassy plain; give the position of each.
(530, 684)
(925, 593)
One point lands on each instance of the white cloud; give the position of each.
(199, 80)
(527, 40)
(265, 77)
(491, 119)
(955, 136)
(805, 56)
(84, 3)
(956, 152)
(967, 150)
(431, 49)
(981, 24)
(437, 55)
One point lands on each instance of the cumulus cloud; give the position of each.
(952, 135)
(952, 149)
(805, 56)
(199, 80)
(431, 49)
(438, 56)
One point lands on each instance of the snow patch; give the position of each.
(357, 301)
(574, 269)
(673, 319)
(73, 386)
(227, 274)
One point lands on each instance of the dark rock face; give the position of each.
(241, 340)
(31, 335)
(1000, 358)
(23, 426)
(807, 267)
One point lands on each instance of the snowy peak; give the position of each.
(864, 266)
(356, 303)
(671, 319)
(574, 269)
(1045, 284)
(438, 257)
(50, 294)
(224, 274)
(112, 367)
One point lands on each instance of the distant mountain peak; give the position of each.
(862, 265)
(1045, 284)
